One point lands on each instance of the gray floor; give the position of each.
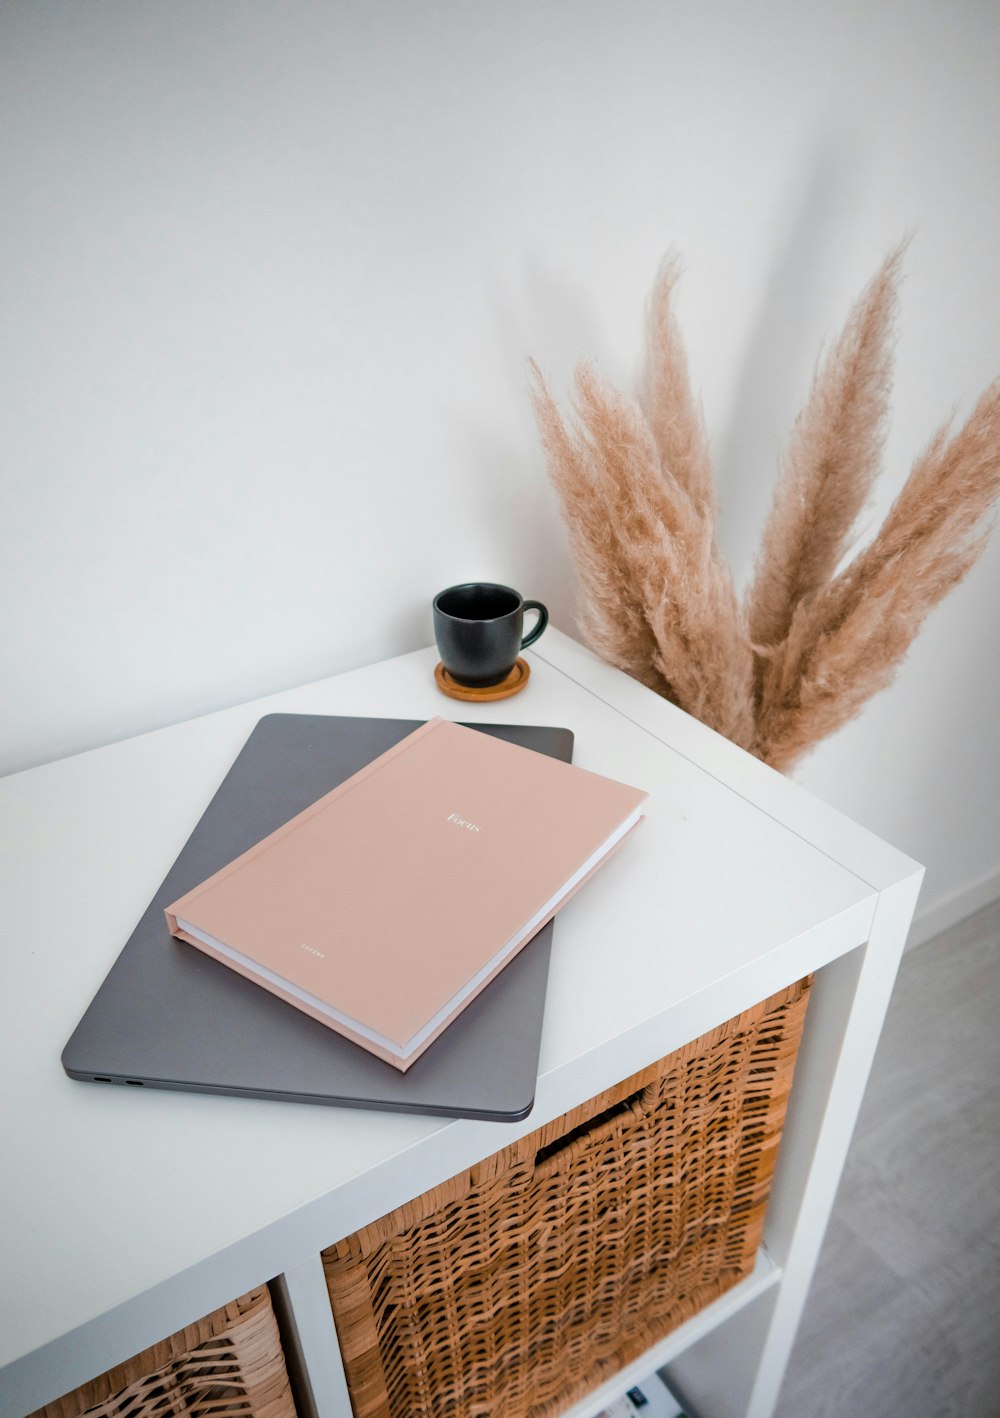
(903, 1319)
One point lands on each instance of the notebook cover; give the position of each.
(167, 1016)
(396, 897)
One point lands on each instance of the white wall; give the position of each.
(271, 272)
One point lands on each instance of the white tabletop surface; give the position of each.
(128, 1212)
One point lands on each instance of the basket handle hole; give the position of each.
(592, 1130)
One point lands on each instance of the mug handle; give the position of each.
(540, 624)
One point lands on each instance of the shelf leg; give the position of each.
(302, 1303)
(737, 1371)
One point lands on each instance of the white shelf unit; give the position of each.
(129, 1212)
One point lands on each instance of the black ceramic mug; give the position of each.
(479, 629)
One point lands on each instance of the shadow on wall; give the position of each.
(513, 500)
(782, 352)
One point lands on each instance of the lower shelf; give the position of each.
(764, 1274)
(651, 1398)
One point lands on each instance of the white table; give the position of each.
(126, 1213)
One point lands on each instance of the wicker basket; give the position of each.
(520, 1285)
(227, 1365)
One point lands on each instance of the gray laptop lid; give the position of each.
(168, 1016)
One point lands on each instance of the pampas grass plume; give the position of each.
(811, 643)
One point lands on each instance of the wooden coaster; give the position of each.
(481, 694)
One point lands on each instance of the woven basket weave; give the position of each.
(227, 1365)
(520, 1285)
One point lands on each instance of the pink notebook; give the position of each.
(386, 906)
